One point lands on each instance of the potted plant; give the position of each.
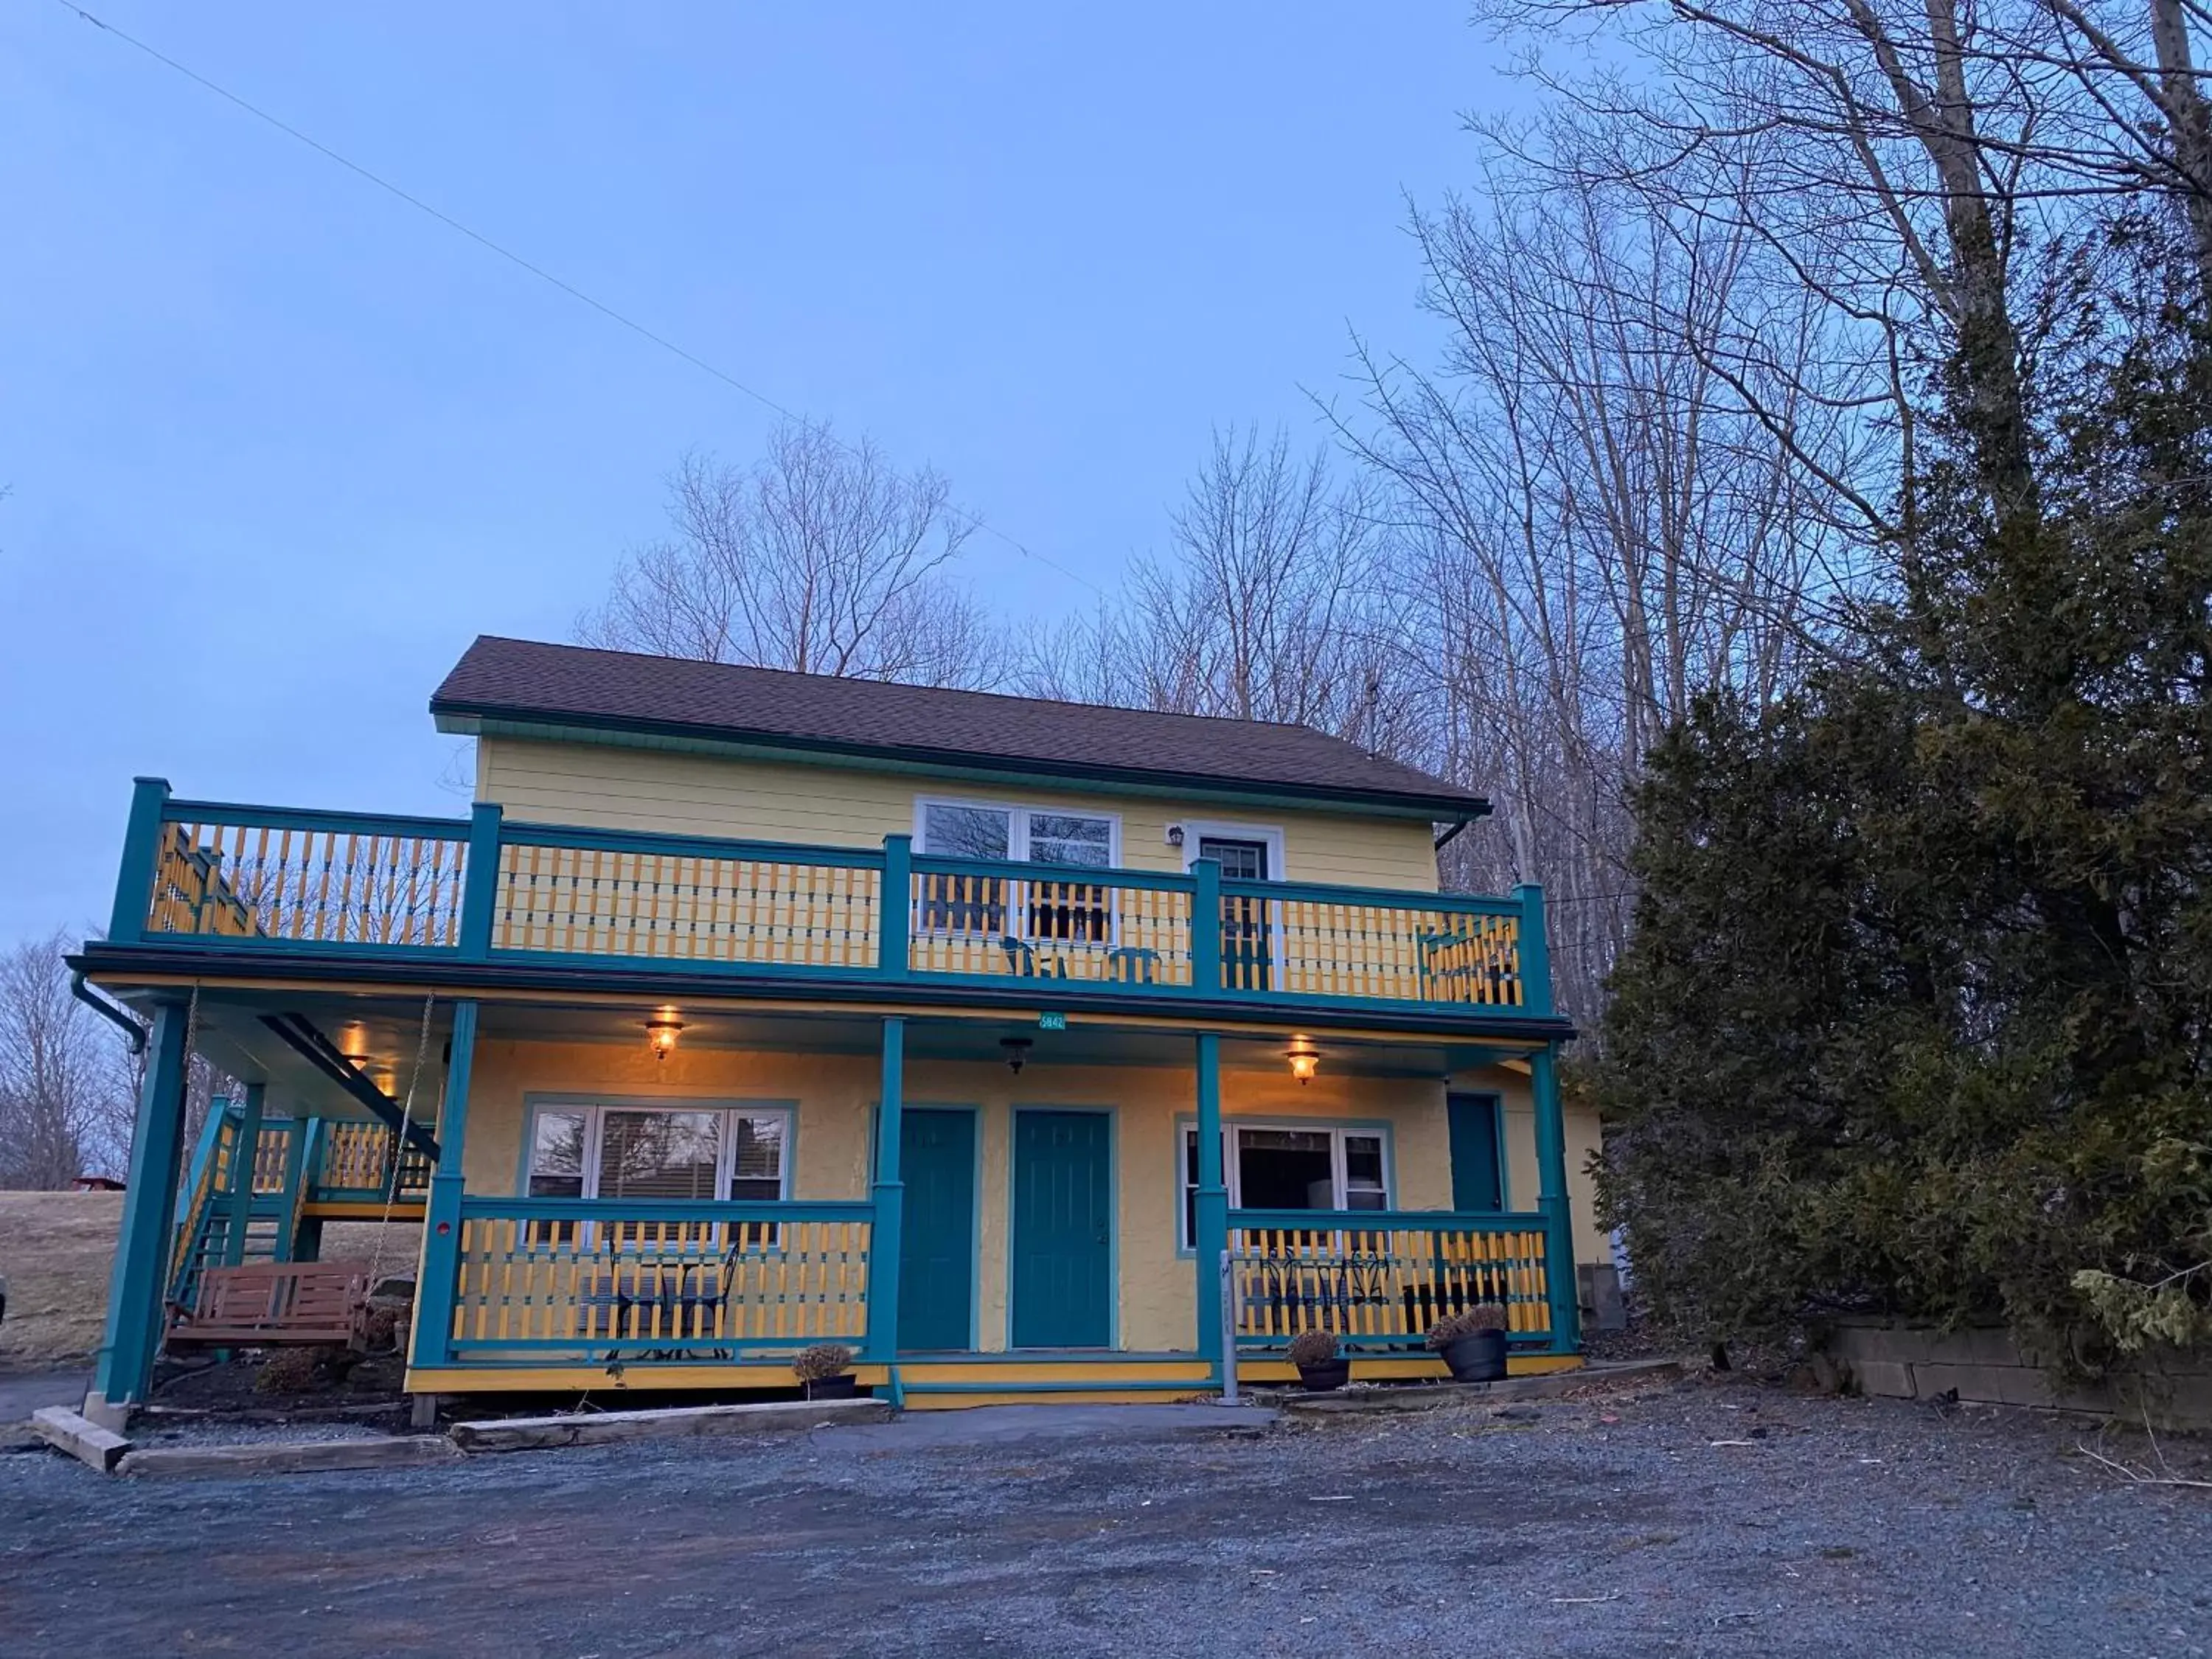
(1320, 1365)
(825, 1371)
(1471, 1342)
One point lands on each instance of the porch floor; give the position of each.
(924, 1381)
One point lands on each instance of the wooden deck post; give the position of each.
(480, 880)
(244, 1148)
(887, 1232)
(1206, 927)
(141, 1272)
(894, 901)
(1210, 1222)
(142, 846)
(1561, 1289)
(441, 1210)
(302, 1151)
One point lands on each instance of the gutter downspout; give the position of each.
(130, 1027)
(1452, 834)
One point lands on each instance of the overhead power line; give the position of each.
(975, 521)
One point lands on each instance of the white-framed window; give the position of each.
(1292, 1166)
(672, 1150)
(1045, 908)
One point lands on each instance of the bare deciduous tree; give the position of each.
(1271, 604)
(1597, 523)
(1915, 166)
(821, 558)
(65, 1079)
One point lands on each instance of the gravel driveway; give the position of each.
(1613, 1527)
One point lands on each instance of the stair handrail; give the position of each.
(194, 1201)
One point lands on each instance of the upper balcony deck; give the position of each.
(216, 878)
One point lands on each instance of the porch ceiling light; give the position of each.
(1305, 1058)
(355, 1048)
(661, 1032)
(1018, 1050)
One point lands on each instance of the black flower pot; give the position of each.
(1319, 1379)
(833, 1388)
(1477, 1358)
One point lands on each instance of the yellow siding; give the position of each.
(605, 787)
(835, 1095)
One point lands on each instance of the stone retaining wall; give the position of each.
(1910, 1362)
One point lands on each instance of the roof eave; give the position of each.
(463, 718)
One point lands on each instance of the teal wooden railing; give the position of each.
(1380, 1278)
(197, 1241)
(235, 877)
(356, 1161)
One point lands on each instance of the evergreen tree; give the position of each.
(1916, 1015)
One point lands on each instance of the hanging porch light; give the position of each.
(1305, 1058)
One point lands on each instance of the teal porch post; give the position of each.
(480, 880)
(1206, 927)
(887, 1230)
(142, 845)
(303, 1151)
(1559, 1278)
(442, 1216)
(894, 907)
(1535, 950)
(1562, 1289)
(242, 1152)
(1209, 1224)
(135, 1286)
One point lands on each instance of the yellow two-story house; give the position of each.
(1029, 1050)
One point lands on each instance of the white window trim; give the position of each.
(594, 1112)
(1194, 829)
(1232, 1177)
(1018, 852)
(1017, 826)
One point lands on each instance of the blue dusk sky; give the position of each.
(278, 444)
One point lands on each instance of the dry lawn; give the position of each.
(56, 1249)
(356, 1241)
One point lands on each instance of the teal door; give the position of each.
(1478, 1182)
(1247, 945)
(1063, 1230)
(937, 1240)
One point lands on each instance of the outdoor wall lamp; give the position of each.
(661, 1032)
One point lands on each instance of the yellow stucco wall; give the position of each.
(608, 787)
(835, 1095)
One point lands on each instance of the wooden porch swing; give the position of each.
(262, 1304)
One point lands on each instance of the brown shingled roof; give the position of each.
(525, 682)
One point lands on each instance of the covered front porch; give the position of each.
(623, 1194)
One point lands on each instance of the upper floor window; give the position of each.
(1045, 909)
